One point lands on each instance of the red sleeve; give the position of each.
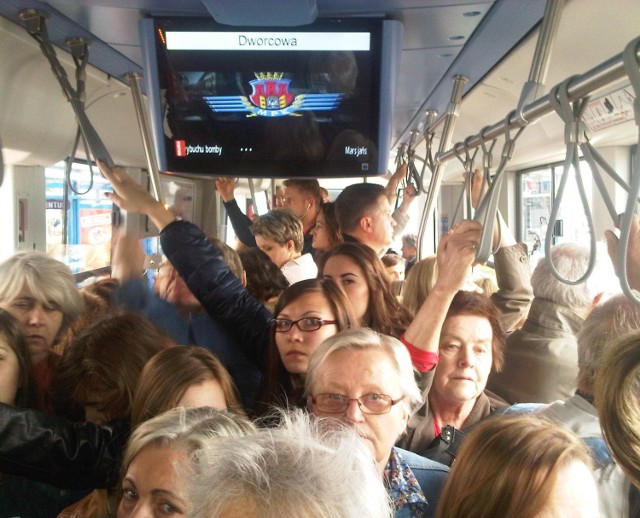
(423, 361)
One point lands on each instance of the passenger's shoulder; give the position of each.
(417, 462)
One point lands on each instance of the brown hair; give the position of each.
(384, 314)
(276, 376)
(98, 303)
(617, 398)
(333, 229)
(508, 466)
(477, 305)
(169, 373)
(355, 202)
(264, 279)
(311, 187)
(108, 357)
(12, 332)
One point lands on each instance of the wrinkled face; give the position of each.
(320, 235)
(382, 225)
(208, 393)
(296, 200)
(465, 359)
(172, 288)
(152, 487)
(40, 322)
(355, 373)
(295, 346)
(349, 276)
(575, 494)
(278, 253)
(9, 373)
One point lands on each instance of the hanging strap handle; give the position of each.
(487, 210)
(632, 67)
(574, 134)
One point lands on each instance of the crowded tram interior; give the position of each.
(320, 258)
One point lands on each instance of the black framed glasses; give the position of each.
(307, 324)
(368, 403)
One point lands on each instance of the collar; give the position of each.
(403, 486)
(584, 395)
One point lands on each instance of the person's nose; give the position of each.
(353, 413)
(36, 316)
(466, 357)
(141, 511)
(294, 334)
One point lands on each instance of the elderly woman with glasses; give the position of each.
(366, 380)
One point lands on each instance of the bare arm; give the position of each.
(456, 255)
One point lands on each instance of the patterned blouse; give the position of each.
(403, 486)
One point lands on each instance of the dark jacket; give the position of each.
(220, 292)
(53, 450)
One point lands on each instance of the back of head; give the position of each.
(419, 283)
(281, 226)
(98, 303)
(606, 323)
(355, 202)
(194, 428)
(264, 279)
(571, 262)
(48, 280)
(306, 467)
(229, 255)
(105, 362)
(508, 466)
(617, 398)
(169, 373)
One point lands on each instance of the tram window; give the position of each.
(538, 188)
(87, 244)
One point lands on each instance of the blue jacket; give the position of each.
(197, 329)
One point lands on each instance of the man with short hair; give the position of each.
(541, 358)
(364, 215)
(303, 197)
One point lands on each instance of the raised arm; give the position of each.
(511, 263)
(455, 256)
(239, 221)
(201, 266)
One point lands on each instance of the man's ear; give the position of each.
(366, 224)
(290, 245)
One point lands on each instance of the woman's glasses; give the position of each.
(307, 324)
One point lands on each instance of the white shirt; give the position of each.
(300, 268)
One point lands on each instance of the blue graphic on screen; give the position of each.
(271, 97)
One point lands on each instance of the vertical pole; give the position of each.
(451, 117)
